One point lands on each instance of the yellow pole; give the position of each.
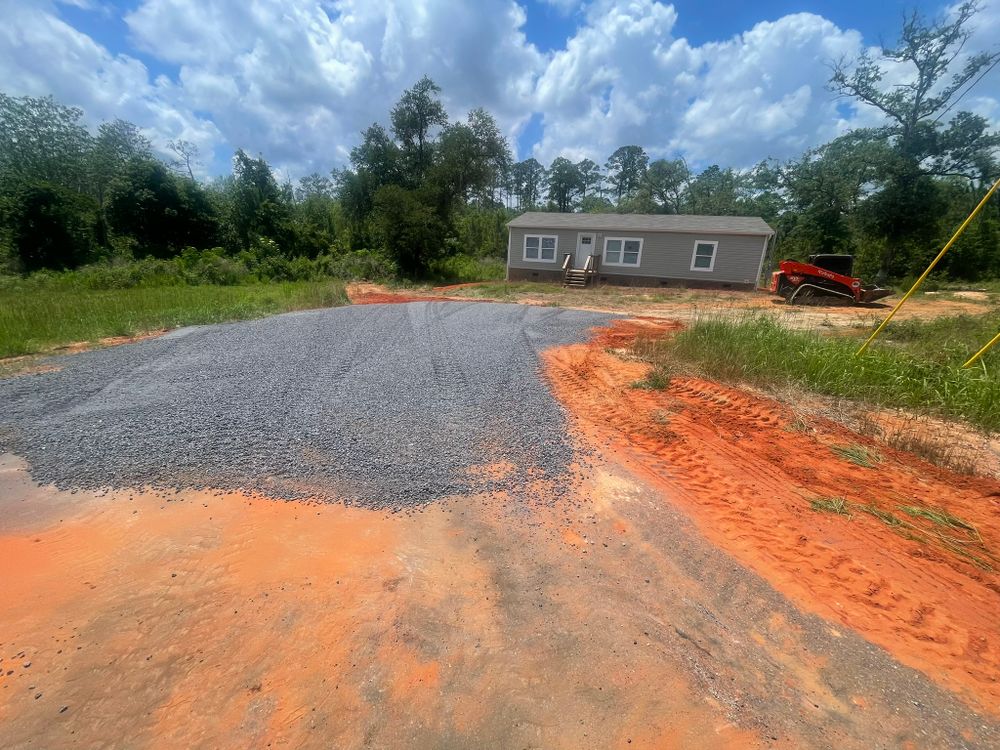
(982, 351)
(918, 282)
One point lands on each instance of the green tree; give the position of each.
(161, 212)
(824, 189)
(258, 208)
(564, 183)
(117, 144)
(409, 228)
(492, 156)
(378, 156)
(717, 192)
(50, 226)
(528, 179)
(626, 168)
(42, 141)
(590, 173)
(903, 213)
(666, 182)
(417, 112)
(470, 160)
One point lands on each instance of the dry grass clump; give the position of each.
(925, 524)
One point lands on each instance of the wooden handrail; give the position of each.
(566, 257)
(589, 265)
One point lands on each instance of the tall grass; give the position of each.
(42, 317)
(918, 368)
(463, 269)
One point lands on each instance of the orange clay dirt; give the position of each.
(746, 472)
(682, 594)
(681, 304)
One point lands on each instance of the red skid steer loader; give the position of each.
(825, 279)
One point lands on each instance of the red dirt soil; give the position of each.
(361, 293)
(744, 468)
(377, 298)
(217, 620)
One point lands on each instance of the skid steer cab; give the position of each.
(825, 279)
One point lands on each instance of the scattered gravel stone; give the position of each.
(387, 406)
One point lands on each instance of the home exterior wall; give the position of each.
(666, 256)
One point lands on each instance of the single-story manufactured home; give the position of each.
(637, 249)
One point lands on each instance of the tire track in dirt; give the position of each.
(735, 462)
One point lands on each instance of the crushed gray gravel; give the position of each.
(382, 405)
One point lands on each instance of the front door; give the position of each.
(584, 248)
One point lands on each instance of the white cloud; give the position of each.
(763, 93)
(297, 80)
(624, 78)
(40, 55)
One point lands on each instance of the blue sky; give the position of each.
(296, 80)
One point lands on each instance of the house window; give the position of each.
(703, 258)
(622, 251)
(540, 248)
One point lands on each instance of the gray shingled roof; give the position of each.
(643, 223)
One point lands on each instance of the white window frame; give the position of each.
(604, 255)
(694, 255)
(540, 259)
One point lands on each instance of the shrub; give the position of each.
(367, 265)
(51, 227)
(461, 269)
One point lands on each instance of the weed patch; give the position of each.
(657, 380)
(34, 320)
(943, 528)
(940, 517)
(858, 454)
(912, 369)
(836, 505)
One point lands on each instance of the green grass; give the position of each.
(657, 380)
(917, 367)
(959, 537)
(836, 505)
(858, 454)
(940, 517)
(461, 269)
(40, 319)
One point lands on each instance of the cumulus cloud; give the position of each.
(763, 93)
(41, 55)
(297, 80)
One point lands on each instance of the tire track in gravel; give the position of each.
(387, 405)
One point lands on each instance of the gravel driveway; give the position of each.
(382, 405)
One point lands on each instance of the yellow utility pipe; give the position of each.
(982, 351)
(918, 282)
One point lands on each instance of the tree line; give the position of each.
(421, 188)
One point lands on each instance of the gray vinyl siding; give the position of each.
(665, 255)
(565, 244)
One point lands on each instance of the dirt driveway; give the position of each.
(690, 304)
(667, 586)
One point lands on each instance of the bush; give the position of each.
(461, 269)
(213, 267)
(50, 227)
(358, 265)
